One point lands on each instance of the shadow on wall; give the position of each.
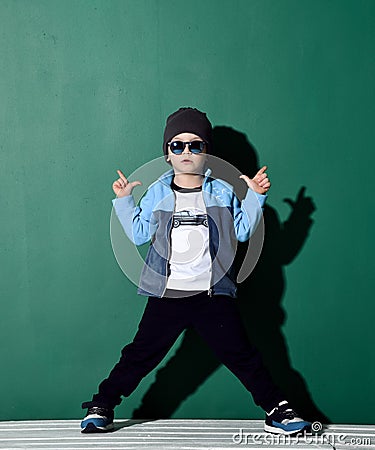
(259, 300)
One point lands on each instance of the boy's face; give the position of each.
(187, 162)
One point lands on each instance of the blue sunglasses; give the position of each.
(195, 147)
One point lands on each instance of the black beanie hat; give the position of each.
(188, 120)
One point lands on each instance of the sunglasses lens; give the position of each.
(196, 146)
(177, 147)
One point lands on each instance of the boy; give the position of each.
(193, 222)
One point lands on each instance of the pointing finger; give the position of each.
(261, 171)
(122, 176)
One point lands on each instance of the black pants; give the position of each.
(216, 319)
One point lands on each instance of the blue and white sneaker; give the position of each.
(284, 420)
(97, 420)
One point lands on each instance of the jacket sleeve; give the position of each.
(247, 214)
(137, 221)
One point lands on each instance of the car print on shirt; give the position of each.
(189, 218)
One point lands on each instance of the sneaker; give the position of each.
(284, 420)
(97, 420)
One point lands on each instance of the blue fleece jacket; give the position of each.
(229, 221)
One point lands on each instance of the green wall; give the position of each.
(85, 87)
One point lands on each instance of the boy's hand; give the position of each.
(122, 186)
(260, 183)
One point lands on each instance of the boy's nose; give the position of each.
(186, 147)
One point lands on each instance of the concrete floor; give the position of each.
(177, 434)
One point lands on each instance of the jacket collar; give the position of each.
(167, 177)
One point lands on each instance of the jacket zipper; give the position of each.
(169, 246)
(209, 292)
(167, 262)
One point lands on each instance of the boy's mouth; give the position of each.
(186, 160)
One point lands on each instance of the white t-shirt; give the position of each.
(190, 261)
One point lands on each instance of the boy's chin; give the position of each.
(187, 169)
(188, 172)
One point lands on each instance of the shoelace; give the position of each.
(99, 411)
(289, 413)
